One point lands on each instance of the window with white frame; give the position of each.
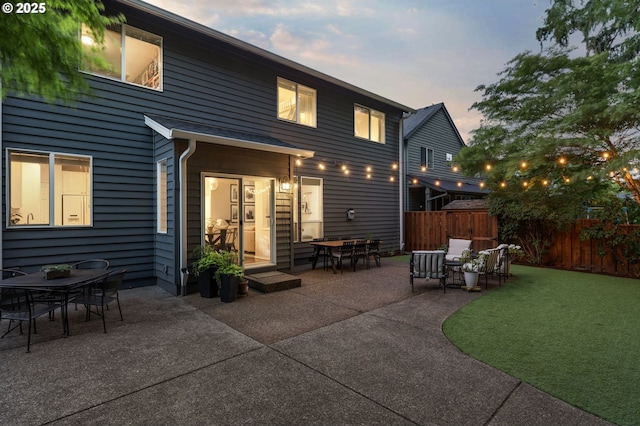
(308, 209)
(426, 158)
(49, 189)
(368, 123)
(126, 54)
(296, 103)
(161, 199)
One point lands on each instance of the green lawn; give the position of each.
(573, 335)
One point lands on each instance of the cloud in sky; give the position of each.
(416, 52)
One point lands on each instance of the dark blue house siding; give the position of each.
(206, 81)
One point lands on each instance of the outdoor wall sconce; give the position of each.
(285, 184)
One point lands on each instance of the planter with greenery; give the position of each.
(51, 272)
(204, 267)
(228, 275)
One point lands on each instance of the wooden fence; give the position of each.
(431, 230)
(567, 251)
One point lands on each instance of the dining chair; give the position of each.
(91, 264)
(100, 294)
(20, 305)
(359, 252)
(373, 249)
(230, 239)
(343, 252)
(428, 264)
(86, 264)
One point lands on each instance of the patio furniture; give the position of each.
(456, 247)
(20, 305)
(344, 251)
(428, 264)
(488, 266)
(359, 252)
(100, 294)
(373, 249)
(502, 266)
(230, 239)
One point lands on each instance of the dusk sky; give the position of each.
(415, 52)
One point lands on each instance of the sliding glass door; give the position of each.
(238, 216)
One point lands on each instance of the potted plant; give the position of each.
(471, 267)
(204, 267)
(228, 275)
(51, 272)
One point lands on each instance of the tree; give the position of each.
(40, 52)
(563, 122)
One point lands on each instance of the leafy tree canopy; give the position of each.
(40, 52)
(561, 124)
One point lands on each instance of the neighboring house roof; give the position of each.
(467, 205)
(417, 119)
(172, 128)
(209, 32)
(445, 185)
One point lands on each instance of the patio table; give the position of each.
(328, 245)
(36, 281)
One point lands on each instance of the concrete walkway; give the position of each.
(356, 348)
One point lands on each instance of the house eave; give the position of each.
(209, 32)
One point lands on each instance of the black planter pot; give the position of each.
(207, 283)
(228, 288)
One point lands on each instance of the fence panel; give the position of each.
(568, 252)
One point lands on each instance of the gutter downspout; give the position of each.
(182, 226)
(2, 182)
(401, 179)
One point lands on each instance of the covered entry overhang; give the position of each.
(172, 128)
(272, 154)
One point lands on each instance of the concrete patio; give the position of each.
(356, 348)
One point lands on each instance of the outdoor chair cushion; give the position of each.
(455, 248)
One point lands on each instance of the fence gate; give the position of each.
(430, 230)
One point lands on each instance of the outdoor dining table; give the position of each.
(328, 245)
(36, 281)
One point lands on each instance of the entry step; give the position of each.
(269, 282)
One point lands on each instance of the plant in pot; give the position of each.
(472, 266)
(204, 267)
(51, 272)
(228, 276)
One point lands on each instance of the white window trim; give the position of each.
(370, 138)
(297, 120)
(298, 236)
(52, 155)
(123, 65)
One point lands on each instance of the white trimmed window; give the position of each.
(368, 123)
(308, 209)
(127, 54)
(49, 189)
(296, 103)
(161, 196)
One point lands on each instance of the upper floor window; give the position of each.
(127, 54)
(49, 189)
(296, 103)
(426, 158)
(368, 123)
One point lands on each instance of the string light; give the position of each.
(545, 182)
(394, 166)
(423, 168)
(455, 169)
(503, 184)
(488, 167)
(321, 166)
(298, 162)
(392, 179)
(562, 160)
(523, 165)
(481, 184)
(459, 184)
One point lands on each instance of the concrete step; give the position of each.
(268, 282)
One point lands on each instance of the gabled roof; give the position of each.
(209, 32)
(417, 119)
(173, 128)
